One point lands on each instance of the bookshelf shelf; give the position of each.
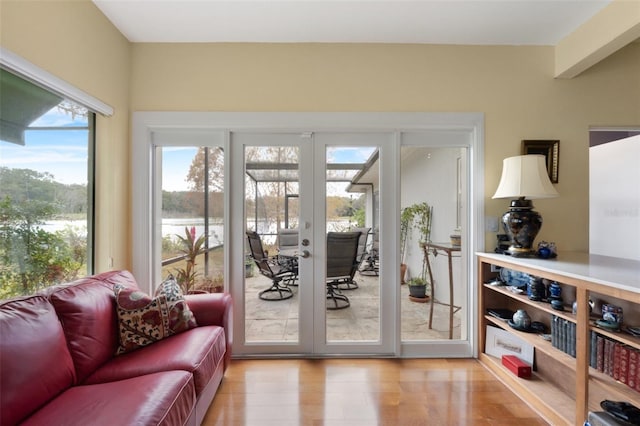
(542, 306)
(564, 388)
(619, 336)
(536, 341)
(556, 402)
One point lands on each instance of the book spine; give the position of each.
(572, 345)
(600, 353)
(616, 361)
(593, 348)
(637, 383)
(607, 355)
(633, 368)
(624, 364)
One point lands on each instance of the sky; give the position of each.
(61, 153)
(64, 153)
(176, 161)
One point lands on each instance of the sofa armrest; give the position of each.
(214, 309)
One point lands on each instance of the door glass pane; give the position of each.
(45, 190)
(271, 211)
(193, 217)
(432, 192)
(352, 287)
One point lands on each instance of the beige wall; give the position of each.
(75, 42)
(513, 86)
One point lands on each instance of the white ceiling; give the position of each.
(500, 22)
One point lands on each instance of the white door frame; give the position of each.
(469, 125)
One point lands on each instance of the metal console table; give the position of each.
(448, 250)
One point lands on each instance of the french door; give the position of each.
(312, 185)
(313, 174)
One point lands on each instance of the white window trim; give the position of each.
(25, 69)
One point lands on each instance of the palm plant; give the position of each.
(191, 248)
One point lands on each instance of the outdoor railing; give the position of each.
(177, 259)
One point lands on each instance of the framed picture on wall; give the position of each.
(551, 151)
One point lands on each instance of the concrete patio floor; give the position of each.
(278, 320)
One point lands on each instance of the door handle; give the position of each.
(305, 254)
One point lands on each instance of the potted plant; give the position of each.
(191, 248)
(416, 216)
(248, 266)
(418, 288)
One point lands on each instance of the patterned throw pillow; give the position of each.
(180, 316)
(143, 320)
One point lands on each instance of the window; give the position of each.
(46, 187)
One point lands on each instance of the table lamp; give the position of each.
(526, 178)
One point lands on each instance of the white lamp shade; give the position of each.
(525, 176)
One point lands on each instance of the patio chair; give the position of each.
(288, 239)
(348, 283)
(342, 252)
(370, 262)
(288, 251)
(279, 274)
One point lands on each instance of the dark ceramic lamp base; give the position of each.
(522, 224)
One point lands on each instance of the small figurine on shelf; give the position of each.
(547, 250)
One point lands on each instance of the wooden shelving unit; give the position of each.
(563, 388)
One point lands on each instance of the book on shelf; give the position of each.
(633, 368)
(555, 335)
(608, 343)
(623, 364)
(599, 352)
(616, 362)
(572, 339)
(637, 387)
(563, 335)
(593, 348)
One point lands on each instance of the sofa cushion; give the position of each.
(35, 364)
(86, 309)
(180, 316)
(166, 398)
(143, 319)
(198, 351)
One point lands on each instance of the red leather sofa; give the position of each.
(57, 362)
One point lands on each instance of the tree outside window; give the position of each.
(45, 215)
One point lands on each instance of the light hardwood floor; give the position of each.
(365, 392)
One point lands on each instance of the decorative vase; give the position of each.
(575, 307)
(536, 289)
(521, 319)
(612, 313)
(555, 291)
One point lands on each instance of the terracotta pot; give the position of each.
(403, 271)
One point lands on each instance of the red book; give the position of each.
(607, 357)
(624, 364)
(633, 367)
(616, 361)
(638, 373)
(517, 366)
